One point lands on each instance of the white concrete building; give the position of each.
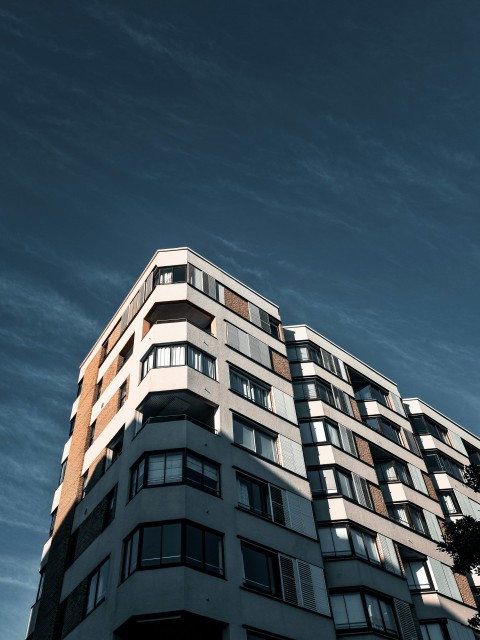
(184, 507)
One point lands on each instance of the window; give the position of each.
(250, 389)
(79, 388)
(174, 467)
(169, 275)
(386, 428)
(418, 575)
(126, 352)
(91, 435)
(114, 449)
(97, 586)
(72, 425)
(122, 394)
(310, 353)
(52, 522)
(205, 283)
(336, 481)
(177, 355)
(316, 389)
(40, 585)
(409, 516)
(249, 436)
(335, 541)
(110, 504)
(165, 544)
(365, 545)
(254, 495)
(294, 581)
(393, 471)
(98, 390)
(63, 468)
(84, 484)
(364, 389)
(436, 462)
(449, 502)
(432, 631)
(357, 611)
(423, 425)
(274, 327)
(317, 431)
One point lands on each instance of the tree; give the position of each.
(462, 538)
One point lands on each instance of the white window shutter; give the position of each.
(312, 588)
(397, 404)
(254, 314)
(444, 579)
(289, 579)
(292, 455)
(459, 631)
(149, 285)
(418, 481)
(279, 507)
(411, 441)
(233, 339)
(433, 526)
(347, 439)
(361, 491)
(284, 405)
(467, 506)
(389, 554)
(457, 443)
(300, 514)
(408, 627)
(343, 371)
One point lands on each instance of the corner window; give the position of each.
(316, 389)
(114, 449)
(169, 275)
(335, 481)
(170, 543)
(365, 389)
(318, 431)
(418, 576)
(386, 428)
(313, 353)
(432, 631)
(249, 436)
(174, 467)
(250, 389)
(97, 586)
(409, 516)
(393, 471)
(449, 503)
(123, 394)
(177, 355)
(63, 468)
(261, 569)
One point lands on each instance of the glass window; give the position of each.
(418, 577)
(253, 495)
(254, 439)
(432, 631)
(346, 487)
(449, 502)
(348, 611)
(97, 586)
(250, 389)
(334, 541)
(365, 545)
(261, 570)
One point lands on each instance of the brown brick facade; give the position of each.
(429, 484)
(108, 411)
(280, 365)
(113, 338)
(236, 303)
(378, 501)
(363, 449)
(47, 626)
(75, 608)
(91, 527)
(464, 588)
(355, 409)
(111, 372)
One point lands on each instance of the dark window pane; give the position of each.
(179, 274)
(172, 543)
(151, 546)
(194, 546)
(213, 553)
(261, 570)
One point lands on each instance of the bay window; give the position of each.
(177, 355)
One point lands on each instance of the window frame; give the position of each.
(252, 385)
(348, 475)
(273, 437)
(150, 360)
(368, 617)
(384, 426)
(97, 601)
(409, 508)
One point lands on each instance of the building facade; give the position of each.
(226, 477)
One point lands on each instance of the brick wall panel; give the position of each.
(430, 488)
(237, 304)
(465, 590)
(113, 338)
(111, 372)
(48, 622)
(75, 608)
(378, 501)
(355, 409)
(363, 449)
(91, 527)
(280, 365)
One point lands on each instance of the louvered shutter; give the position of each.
(343, 371)
(220, 293)
(259, 351)
(327, 360)
(289, 582)
(411, 441)
(342, 401)
(444, 579)
(300, 514)
(361, 491)
(389, 554)
(312, 588)
(149, 285)
(417, 478)
(458, 631)
(457, 443)
(406, 620)
(284, 405)
(243, 343)
(292, 455)
(264, 321)
(279, 509)
(397, 404)
(233, 339)
(254, 314)
(124, 321)
(467, 506)
(433, 526)
(347, 439)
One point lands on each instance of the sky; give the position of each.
(325, 153)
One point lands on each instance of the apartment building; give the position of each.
(226, 477)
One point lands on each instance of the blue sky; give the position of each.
(325, 153)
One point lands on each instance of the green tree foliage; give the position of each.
(462, 538)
